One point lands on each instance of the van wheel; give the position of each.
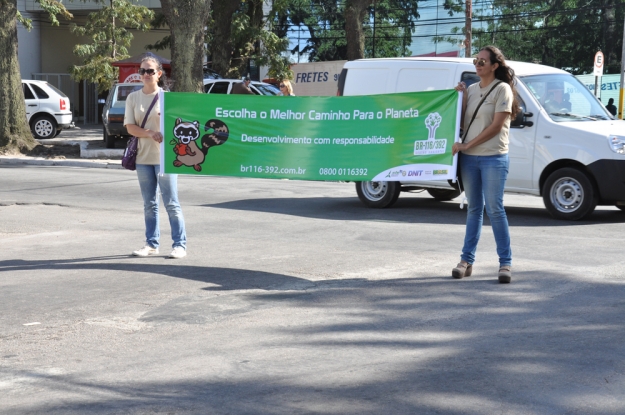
(443, 194)
(378, 194)
(569, 194)
(109, 140)
(43, 126)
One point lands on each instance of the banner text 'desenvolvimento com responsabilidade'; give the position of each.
(388, 137)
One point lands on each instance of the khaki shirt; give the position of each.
(500, 100)
(137, 103)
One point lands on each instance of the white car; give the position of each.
(224, 86)
(47, 109)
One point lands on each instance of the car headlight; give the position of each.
(617, 143)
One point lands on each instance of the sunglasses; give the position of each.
(479, 62)
(282, 85)
(148, 71)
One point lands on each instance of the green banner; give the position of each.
(387, 137)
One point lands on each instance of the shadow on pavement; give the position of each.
(401, 346)
(406, 210)
(222, 278)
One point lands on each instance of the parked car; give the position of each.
(572, 154)
(47, 109)
(113, 112)
(224, 86)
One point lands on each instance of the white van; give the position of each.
(564, 145)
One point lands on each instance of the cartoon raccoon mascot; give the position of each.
(188, 153)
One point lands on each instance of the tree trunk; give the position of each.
(187, 21)
(221, 45)
(355, 12)
(255, 14)
(15, 135)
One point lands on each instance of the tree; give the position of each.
(187, 21)
(240, 33)
(354, 29)
(560, 33)
(355, 12)
(324, 21)
(15, 135)
(108, 28)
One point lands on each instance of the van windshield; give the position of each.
(565, 98)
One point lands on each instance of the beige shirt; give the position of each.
(500, 100)
(137, 104)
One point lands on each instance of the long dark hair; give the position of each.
(162, 80)
(504, 73)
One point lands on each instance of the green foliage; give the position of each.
(108, 28)
(560, 33)
(53, 8)
(254, 39)
(388, 27)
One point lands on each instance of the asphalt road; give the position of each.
(296, 299)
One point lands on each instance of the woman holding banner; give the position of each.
(487, 108)
(140, 104)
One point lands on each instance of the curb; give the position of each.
(39, 161)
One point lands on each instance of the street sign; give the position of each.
(598, 64)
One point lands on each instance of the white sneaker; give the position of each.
(145, 251)
(178, 252)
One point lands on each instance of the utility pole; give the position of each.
(620, 99)
(467, 28)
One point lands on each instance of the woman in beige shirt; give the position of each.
(148, 163)
(484, 156)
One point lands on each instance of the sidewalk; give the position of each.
(82, 146)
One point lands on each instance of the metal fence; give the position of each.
(83, 96)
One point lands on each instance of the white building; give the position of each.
(46, 51)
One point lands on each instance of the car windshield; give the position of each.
(565, 98)
(267, 89)
(124, 90)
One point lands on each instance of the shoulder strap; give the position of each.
(477, 108)
(150, 109)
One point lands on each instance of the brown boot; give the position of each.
(462, 270)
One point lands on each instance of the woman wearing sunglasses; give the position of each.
(286, 89)
(484, 156)
(138, 104)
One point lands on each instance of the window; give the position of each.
(565, 98)
(40, 92)
(469, 78)
(220, 88)
(55, 89)
(266, 89)
(28, 94)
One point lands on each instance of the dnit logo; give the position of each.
(431, 145)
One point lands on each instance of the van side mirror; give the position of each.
(521, 120)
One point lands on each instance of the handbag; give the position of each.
(129, 160)
(458, 185)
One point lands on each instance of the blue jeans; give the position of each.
(150, 182)
(484, 178)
